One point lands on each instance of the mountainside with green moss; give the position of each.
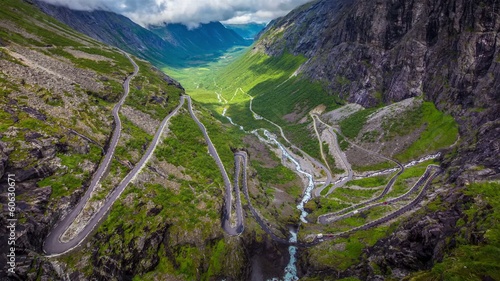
(405, 80)
(164, 44)
(58, 88)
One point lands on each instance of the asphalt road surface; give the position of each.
(53, 246)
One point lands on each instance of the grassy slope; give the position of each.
(473, 260)
(49, 37)
(439, 130)
(269, 81)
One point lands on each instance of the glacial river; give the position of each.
(291, 269)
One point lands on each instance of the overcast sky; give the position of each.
(188, 12)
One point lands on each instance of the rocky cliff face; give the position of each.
(373, 52)
(171, 44)
(385, 51)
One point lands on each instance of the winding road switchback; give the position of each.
(226, 223)
(53, 246)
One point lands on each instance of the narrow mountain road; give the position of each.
(226, 224)
(340, 153)
(329, 218)
(320, 143)
(393, 215)
(53, 246)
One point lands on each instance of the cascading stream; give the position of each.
(291, 268)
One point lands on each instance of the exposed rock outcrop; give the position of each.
(372, 52)
(400, 49)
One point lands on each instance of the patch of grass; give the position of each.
(375, 167)
(343, 144)
(350, 251)
(6, 121)
(66, 183)
(277, 175)
(136, 144)
(353, 195)
(473, 260)
(440, 131)
(352, 125)
(398, 126)
(370, 182)
(323, 205)
(331, 160)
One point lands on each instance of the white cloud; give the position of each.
(188, 12)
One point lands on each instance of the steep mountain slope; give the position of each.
(59, 89)
(210, 39)
(248, 30)
(171, 44)
(119, 31)
(379, 52)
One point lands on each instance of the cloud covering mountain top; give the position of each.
(188, 12)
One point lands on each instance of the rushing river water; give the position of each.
(291, 269)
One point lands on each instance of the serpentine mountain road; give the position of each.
(238, 228)
(53, 246)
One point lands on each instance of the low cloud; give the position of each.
(188, 12)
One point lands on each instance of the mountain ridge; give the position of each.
(398, 51)
(382, 52)
(168, 44)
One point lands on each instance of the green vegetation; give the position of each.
(354, 195)
(370, 181)
(351, 125)
(375, 167)
(343, 144)
(277, 175)
(343, 253)
(440, 131)
(66, 183)
(135, 146)
(475, 259)
(186, 146)
(117, 171)
(403, 124)
(331, 160)
(324, 205)
(151, 94)
(45, 30)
